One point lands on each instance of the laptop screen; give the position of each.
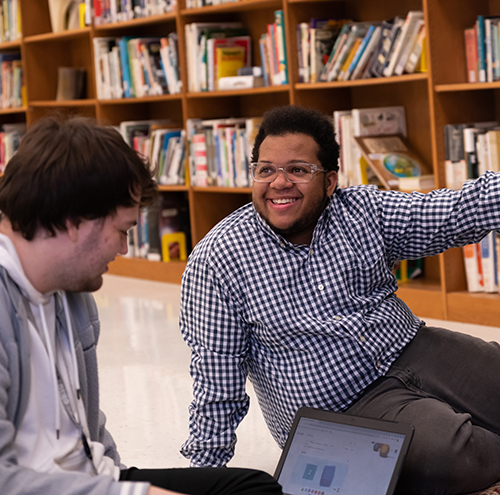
(326, 457)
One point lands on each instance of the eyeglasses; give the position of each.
(293, 172)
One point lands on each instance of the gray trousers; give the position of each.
(447, 385)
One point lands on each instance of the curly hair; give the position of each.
(292, 119)
(71, 169)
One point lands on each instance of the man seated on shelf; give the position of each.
(296, 291)
(68, 198)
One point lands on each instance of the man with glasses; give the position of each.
(296, 292)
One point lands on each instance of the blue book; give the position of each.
(162, 162)
(359, 52)
(481, 52)
(128, 88)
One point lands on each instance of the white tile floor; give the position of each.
(145, 382)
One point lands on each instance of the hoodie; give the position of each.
(52, 434)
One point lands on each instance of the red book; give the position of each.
(471, 54)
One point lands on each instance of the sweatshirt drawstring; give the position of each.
(76, 377)
(52, 361)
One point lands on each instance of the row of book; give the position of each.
(11, 80)
(10, 137)
(162, 232)
(220, 151)
(194, 4)
(130, 67)
(481, 264)
(341, 50)
(109, 11)
(218, 50)
(10, 21)
(162, 143)
(374, 150)
(470, 150)
(482, 50)
(407, 270)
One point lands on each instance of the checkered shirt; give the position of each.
(310, 324)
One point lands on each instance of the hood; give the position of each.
(10, 261)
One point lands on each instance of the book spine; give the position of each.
(481, 48)
(281, 43)
(362, 47)
(471, 54)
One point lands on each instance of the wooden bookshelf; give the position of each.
(432, 99)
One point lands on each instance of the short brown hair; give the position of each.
(71, 169)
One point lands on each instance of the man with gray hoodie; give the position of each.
(67, 200)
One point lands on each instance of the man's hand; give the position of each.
(160, 491)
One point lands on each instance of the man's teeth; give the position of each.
(283, 201)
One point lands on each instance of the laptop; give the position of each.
(334, 453)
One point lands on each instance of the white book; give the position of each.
(370, 47)
(407, 29)
(379, 120)
(489, 262)
(407, 49)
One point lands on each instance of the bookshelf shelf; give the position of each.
(431, 100)
(63, 103)
(143, 99)
(9, 45)
(144, 22)
(47, 37)
(445, 88)
(233, 7)
(239, 92)
(362, 82)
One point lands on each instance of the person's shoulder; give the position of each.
(228, 233)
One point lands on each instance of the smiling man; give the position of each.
(68, 198)
(296, 292)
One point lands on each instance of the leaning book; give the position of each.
(391, 157)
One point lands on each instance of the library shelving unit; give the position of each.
(431, 99)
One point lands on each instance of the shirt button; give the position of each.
(379, 364)
(362, 338)
(338, 317)
(282, 245)
(321, 287)
(311, 252)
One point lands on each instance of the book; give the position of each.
(390, 158)
(281, 45)
(408, 30)
(455, 164)
(334, 53)
(489, 262)
(229, 60)
(64, 15)
(481, 49)
(359, 52)
(409, 46)
(471, 54)
(417, 53)
(390, 32)
(379, 120)
(473, 268)
(425, 182)
(368, 55)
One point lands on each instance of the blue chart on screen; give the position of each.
(316, 473)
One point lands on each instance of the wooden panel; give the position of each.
(423, 302)
(479, 309)
(207, 208)
(150, 270)
(35, 17)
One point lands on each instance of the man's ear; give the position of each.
(72, 229)
(331, 178)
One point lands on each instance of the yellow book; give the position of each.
(348, 60)
(228, 60)
(422, 63)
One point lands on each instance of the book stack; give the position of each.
(169, 215)
(11, 80)
(131, 67)
(220, 151)
(470, 150)
(482, 50)
(481, 264)
(10, 21)
(109, 11)
(10, 137)
(272, 46)
(160, 142)
(206, 43)
(344, 50)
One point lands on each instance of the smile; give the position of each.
(283, 201)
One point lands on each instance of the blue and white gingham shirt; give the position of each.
(310, 325)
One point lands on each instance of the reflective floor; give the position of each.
(145, 382)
